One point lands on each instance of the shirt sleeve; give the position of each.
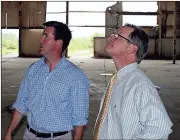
(80, 100)
(154, 119)
(22, 95)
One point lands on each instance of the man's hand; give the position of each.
(78, 132)
(7, 137)
(16, 117)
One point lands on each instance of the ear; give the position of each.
(59, 43)
(132, 49)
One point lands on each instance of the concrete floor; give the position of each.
(162, 73)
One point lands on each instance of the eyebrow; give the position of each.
(44, 33)
(129, 40)
(119, 34)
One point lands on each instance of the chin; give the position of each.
(107, 49)
(41, 53)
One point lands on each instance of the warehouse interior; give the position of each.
(162, 63)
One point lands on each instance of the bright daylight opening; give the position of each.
(82, 42)
(10, 42)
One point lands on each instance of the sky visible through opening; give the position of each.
(97, 18)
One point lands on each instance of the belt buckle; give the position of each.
(52, 136)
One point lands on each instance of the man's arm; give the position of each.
(78, 132)
(17, 116)
(80, 105)
(19, 106)
(153, 117)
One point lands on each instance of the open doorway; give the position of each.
(10, 42)
(80, 15)
(141, 6)
(87, 20)
(82, 43)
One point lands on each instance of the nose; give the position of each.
(41, 39)
(111, 38)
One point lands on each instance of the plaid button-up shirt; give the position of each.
(54, 101)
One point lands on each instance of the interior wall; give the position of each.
(29, 14)
(100, 42)
(167, 50)
(28, 17)
(3, 19)
(167, 40)
(33, 14)
(31, 42)
(10, 12)
(167, 18)
(112, 19)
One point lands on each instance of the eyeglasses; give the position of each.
(128, 40)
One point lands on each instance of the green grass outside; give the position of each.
(9, 44)
(79, 46)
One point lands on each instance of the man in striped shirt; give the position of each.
(135, 110)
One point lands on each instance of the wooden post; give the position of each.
(67, 22)
(20, 31)
(160, 30)
(174, 34)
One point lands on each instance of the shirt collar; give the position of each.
(126, 69)
(62, 60)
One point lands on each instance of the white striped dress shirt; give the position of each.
(135, 110)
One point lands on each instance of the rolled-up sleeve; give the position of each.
(19, 104)
(155, 121)
(80, 100)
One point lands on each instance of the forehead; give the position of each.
(124, 30)
(48, 30)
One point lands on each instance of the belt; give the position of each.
(46, 135)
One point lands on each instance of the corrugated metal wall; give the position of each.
(167, 8)
(30, 42)
(167, 51)
(27, 16)
(167, 18)
(33, 14)
(10, 14)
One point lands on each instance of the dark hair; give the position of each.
(61, 31)
(141, 38)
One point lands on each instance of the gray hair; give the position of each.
(141, 38)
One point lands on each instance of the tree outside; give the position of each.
(10, 44)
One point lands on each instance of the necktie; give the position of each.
(104, 108)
